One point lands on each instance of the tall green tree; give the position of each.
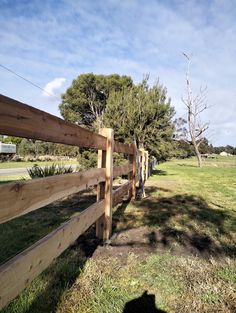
(85, 100)
(142, 113)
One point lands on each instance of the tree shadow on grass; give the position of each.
(161, 173)
(152, 189)
(182, 223)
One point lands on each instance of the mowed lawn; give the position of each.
(23, 164)
(11, 176)
(174, 250)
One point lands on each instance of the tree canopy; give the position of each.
(142, 113)
(135, 111)
(85, 100)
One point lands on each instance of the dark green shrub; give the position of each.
(87, 159)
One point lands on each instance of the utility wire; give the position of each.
(28, 81)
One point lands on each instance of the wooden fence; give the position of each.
(21, 197)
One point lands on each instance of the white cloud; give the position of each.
(53, 86)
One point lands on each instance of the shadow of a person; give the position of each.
(143, 304)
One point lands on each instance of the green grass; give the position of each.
(105, 286)
(188, 263)
(16, 235)
(11, 178)
(21, 232)
(179, 284)
(5, 165)
(189, 200)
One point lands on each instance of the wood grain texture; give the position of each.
(143, 163)
(122, 170)
(21, 120)
(123, 147)
(147, 164)
(17, 273)
(119, 193)
(132, 175)
(101, 190)
(107, 231)
(21, 197)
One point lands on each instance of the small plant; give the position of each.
(55, 169)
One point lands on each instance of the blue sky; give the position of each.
(51, 42)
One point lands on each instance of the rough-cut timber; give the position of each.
(17, 273)
(120, 192)
(19, 198)
(101, 190)
(109, 184)
(122, 170)
(21, 120)
(104, 224)
(147, 164)
(143, 162)
(132, 174)
(123, 147)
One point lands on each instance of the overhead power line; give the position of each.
(27, 80)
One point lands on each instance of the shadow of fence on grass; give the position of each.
(62, 274)
(57, 278)
(19, 233)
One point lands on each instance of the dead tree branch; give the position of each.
(195, 106)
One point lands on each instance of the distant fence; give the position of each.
(21, 197)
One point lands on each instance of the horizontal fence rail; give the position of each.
(17, 273)
(21, 197)
(123, 148)
(120, 192)
(21, 120)
(122, 170)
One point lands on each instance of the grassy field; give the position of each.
(10, 178)
(11, 165)
(174, 250)
(4, 165)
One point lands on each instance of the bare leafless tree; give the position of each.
(195, 105)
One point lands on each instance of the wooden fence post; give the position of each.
(132, 175)
(139, 164)
(104, 190)
(147, 164)
(142, 180)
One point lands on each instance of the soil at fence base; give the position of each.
(143, 240)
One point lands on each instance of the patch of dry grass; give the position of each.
(179, 285)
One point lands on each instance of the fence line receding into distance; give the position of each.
(21, 197)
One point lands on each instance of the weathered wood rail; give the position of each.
(21, 197)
